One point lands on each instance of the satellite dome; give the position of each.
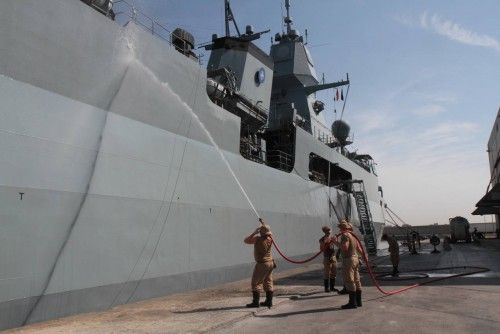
(340, 131)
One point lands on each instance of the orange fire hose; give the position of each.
(476, 270)
(287, 258)
(295, 261)
(393, 292)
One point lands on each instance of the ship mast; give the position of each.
(230, 17)
(288, 18)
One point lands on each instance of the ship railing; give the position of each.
(258, 111)
(251, 151)
(126, 12)
(279, 159)
(327, 140)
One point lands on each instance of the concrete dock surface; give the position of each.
(458, 305)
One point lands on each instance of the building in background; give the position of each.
(490, 203)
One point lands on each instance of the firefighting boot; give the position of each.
(343, 291)
(332, 285)
(269, 299)
(325, 282)
(358, 298)
(255, 299)
(352, 301)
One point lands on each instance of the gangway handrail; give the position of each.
(133, 14)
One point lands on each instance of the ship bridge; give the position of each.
(295, 83)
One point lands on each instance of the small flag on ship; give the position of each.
(342, 94)
(336, 98)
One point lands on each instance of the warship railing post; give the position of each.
(134, 14)
(329, 192)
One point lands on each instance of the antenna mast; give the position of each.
(230, 17)
(282, 18)
(288, 19)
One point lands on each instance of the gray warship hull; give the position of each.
(110, 191)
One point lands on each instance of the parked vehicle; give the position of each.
(459, 229)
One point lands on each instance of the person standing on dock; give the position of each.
(408, 242)
(262, 242)
(350, 249)
(414, 236)
(394, 253)
(329, 260)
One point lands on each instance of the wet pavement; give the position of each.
(460, 305)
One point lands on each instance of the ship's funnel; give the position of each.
(340, 131)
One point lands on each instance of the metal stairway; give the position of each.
(365, 217)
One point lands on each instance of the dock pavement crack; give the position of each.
(472, 289)
(444, 312)
(248, 315)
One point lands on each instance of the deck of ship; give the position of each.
(459, 305)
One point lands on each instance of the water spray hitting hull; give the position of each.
(127, 196)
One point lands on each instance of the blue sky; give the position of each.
(425, 85)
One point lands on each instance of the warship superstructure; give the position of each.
(114, 152)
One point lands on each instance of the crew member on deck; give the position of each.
(394, 253)
(262, 274)
(350, 249)
(329, 260)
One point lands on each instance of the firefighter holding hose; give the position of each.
(262, 242)
(329, 261)
(350, 249)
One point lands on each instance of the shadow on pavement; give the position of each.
(314, 297)
(288, 314)
(215, 309)
(311, 278)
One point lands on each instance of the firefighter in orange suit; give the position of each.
(350, 249)
(394, 253)
(329, 260)
(262, 242)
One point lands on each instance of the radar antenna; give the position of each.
(230, 17)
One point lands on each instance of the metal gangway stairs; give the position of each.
(364, 215)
